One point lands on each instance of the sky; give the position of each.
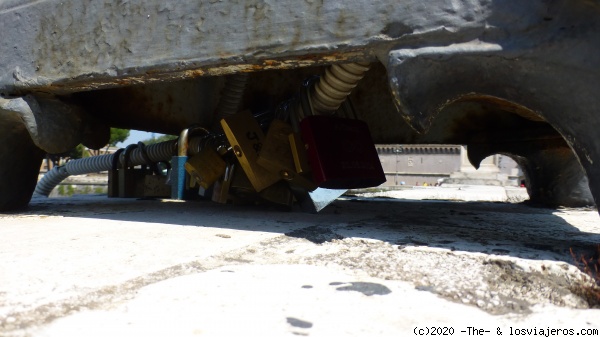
(137, 136)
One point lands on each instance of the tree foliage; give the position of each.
(76, 153)
(117, 136)
(159, 139)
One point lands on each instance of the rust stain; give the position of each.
(168, 75)
(270, 63)
(502, 104)
(141, 108)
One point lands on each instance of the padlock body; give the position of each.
(277, 155)
(206, 167)
(131, 182)
(341, 152)
(246, 138)
(155, 186)
(113, 184)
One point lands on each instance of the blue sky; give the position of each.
(136, 136)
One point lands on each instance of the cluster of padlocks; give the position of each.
(292, 156)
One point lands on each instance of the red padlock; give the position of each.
(341, 152)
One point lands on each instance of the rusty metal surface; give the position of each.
(159, 107)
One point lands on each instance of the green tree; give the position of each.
(75, 153)
(117, 136)
(159, 139)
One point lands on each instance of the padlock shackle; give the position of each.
(116, 159)
(182, 143)
(153, 166)
(127, 154)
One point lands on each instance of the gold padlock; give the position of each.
(277, 155)
(221, 187)
(278, 194)
(299, 153)
(246, 138)
(206, 167)
(241, 192)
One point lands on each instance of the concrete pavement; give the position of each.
(362, 267)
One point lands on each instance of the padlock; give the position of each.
(206, 167)
(179, 179)
(131, 180)
(341, 152)
(113, 175)
(276, 153)
(246, 139)
(155, 182)
(221, 187)
(278, 195)
(237, 189)
(299, 153)
(155, 186)
(277, 156)
(241, 192)
(177, 175)
(222, 151)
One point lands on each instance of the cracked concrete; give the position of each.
(364, 266)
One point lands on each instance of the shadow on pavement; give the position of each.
(492, 228)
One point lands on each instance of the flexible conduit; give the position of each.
(231, 97)
(156, 153)
(337, 83)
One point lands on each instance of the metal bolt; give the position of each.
(237, 151)
(287, 175)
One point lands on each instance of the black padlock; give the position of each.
(131, 180)
(113, 175)
(341, 152)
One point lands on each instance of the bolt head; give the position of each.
(287, 175)
(237, 151)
